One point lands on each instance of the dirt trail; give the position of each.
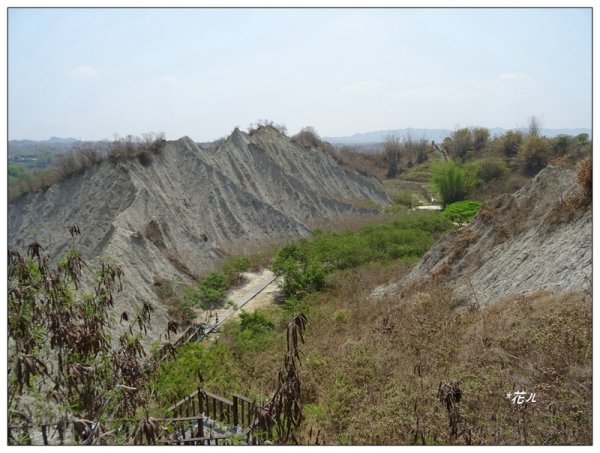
(259, 290)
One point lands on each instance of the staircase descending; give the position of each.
(204, 418)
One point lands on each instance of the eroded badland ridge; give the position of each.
(178, 213)
(532, 240)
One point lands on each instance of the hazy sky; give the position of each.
(91, 73)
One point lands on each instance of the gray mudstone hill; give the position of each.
(178, 214)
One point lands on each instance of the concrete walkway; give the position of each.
(242, 298)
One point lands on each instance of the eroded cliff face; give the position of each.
(535, 239)
(177, 214)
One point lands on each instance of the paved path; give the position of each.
(241, 297)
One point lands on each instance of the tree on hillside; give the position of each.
(534, 126)
(534, 154)
(481, 136)
(509, 143)
(308, 136)
(281, 128)
(459, 143)
(392, 149)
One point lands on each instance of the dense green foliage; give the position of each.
(254, 334)
(255, 322)
(221, 365)
(450, 181)
(462, 211)
(233, 267)
(180, 376)
(305, 263)
(301, 270)
(209, 291)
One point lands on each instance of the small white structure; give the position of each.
(435, 207)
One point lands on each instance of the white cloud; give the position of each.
(83, 72)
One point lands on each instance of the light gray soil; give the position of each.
(179, 215)
(520, 248)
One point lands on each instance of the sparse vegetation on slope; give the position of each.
(79, 160)
(373, 379)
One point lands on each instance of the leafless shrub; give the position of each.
(308, 136)
(368, 164)
(284, 410)
(147, 429)
(266, 123)
(450, 395)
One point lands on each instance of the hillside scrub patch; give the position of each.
(534, 154)
(462, 211)
(404, 198)
(490, 168)
(233, 267)
(179, 376)
(584, 179)
(253, 334)
(209, 291)
(385, 371)
(78, 161)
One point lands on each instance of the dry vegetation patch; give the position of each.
(374, 375)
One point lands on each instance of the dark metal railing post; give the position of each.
(44, 435)
(236, 419)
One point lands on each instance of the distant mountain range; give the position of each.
(434, 134)
(366, 139)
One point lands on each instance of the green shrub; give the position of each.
(491, 168)
(304, 264)
(404, 198)
(449, 178)
(208, 292)
(233, 267)
(177, 377)
(253, 334)
(256, 322)
(341, 316)
(510, 142)
(462, 211)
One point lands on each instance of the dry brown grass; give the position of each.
(369, 164)
(463, 240)
(373, 375)
(570, 208)
(178, 311)
(584, 179)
